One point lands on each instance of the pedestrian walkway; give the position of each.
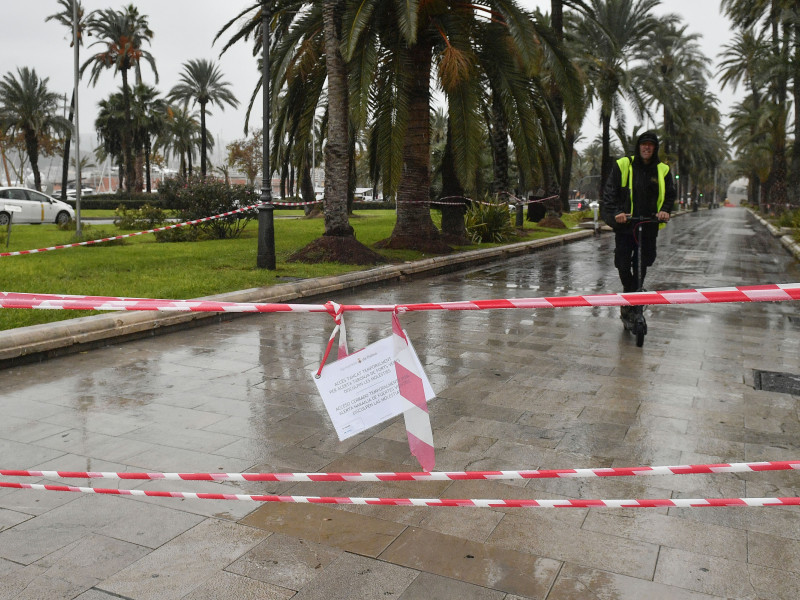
(516, 389)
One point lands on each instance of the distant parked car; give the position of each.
(36, 207)
(577, 204)
(85, 190)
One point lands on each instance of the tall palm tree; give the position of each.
(149, 113)
(746, 61)
(201, 83)
(672, 63)
(121, 36)
(612, 40)
(308, 66)
(399, 46)
(779, 18)
(65, 18)
(28, 107)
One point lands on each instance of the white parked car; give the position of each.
(85, 191)
(36, 207)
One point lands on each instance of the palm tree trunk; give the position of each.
(127, 135)
(32, 148)
(566, 170)
(203, 140)
(67, 140)
(414, 229)
(499, 140)
(605, 167)
(454, 229)
(306, 185)
(337, 157)
(147, 163)
(794, 170)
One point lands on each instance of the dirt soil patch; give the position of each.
(338, 249)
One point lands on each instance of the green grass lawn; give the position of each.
(142, 267)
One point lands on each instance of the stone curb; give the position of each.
(40, 342)
(787, 241)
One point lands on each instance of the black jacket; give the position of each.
(617, 197)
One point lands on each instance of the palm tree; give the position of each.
(672, 64)
(65, 18)
(149, 120)
(201, 82)
(745, 60)
(121, 35)
(612, 39)
(109, 125)
(397, 47)
(300, 40)
(180, 137)
(29, 108)
(779, 18)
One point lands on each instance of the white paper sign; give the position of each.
(361, 390)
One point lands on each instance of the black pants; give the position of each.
(626, 254)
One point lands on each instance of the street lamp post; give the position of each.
(265, 259)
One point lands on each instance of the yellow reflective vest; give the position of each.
(625, 164)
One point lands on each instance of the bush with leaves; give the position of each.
(196, 198)
(146, 217)
(489, 223)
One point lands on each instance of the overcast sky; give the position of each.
(184, 29)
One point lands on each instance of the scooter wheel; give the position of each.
(640, 338)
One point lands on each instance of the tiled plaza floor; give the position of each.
(516, 389)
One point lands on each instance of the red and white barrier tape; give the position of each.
(431, 502)
(517, 201)
(780, 292)
(279, 203)
(127, 235)
(753, 467)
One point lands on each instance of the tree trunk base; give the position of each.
(340, 249)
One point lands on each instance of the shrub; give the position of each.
(187, 233)
(146, 217)
(789, 218)
(89, 234)
(196, 198)
(489, 222)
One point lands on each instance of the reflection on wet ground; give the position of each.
(516, 389)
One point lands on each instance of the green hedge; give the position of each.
(113, 201)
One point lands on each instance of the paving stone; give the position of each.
(604, 551)
(285, 561)
(352, 577)
(476, 563)
(723, 577)
(185, 563)
(427, 586)
(355, 533)
(579, 583)
(228, 586)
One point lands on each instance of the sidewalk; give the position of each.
(556, 388)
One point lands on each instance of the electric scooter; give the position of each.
(635, 321)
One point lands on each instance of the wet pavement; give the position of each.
(516, 389)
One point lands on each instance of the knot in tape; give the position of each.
(335, 310)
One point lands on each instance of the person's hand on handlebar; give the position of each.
(662, 216)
